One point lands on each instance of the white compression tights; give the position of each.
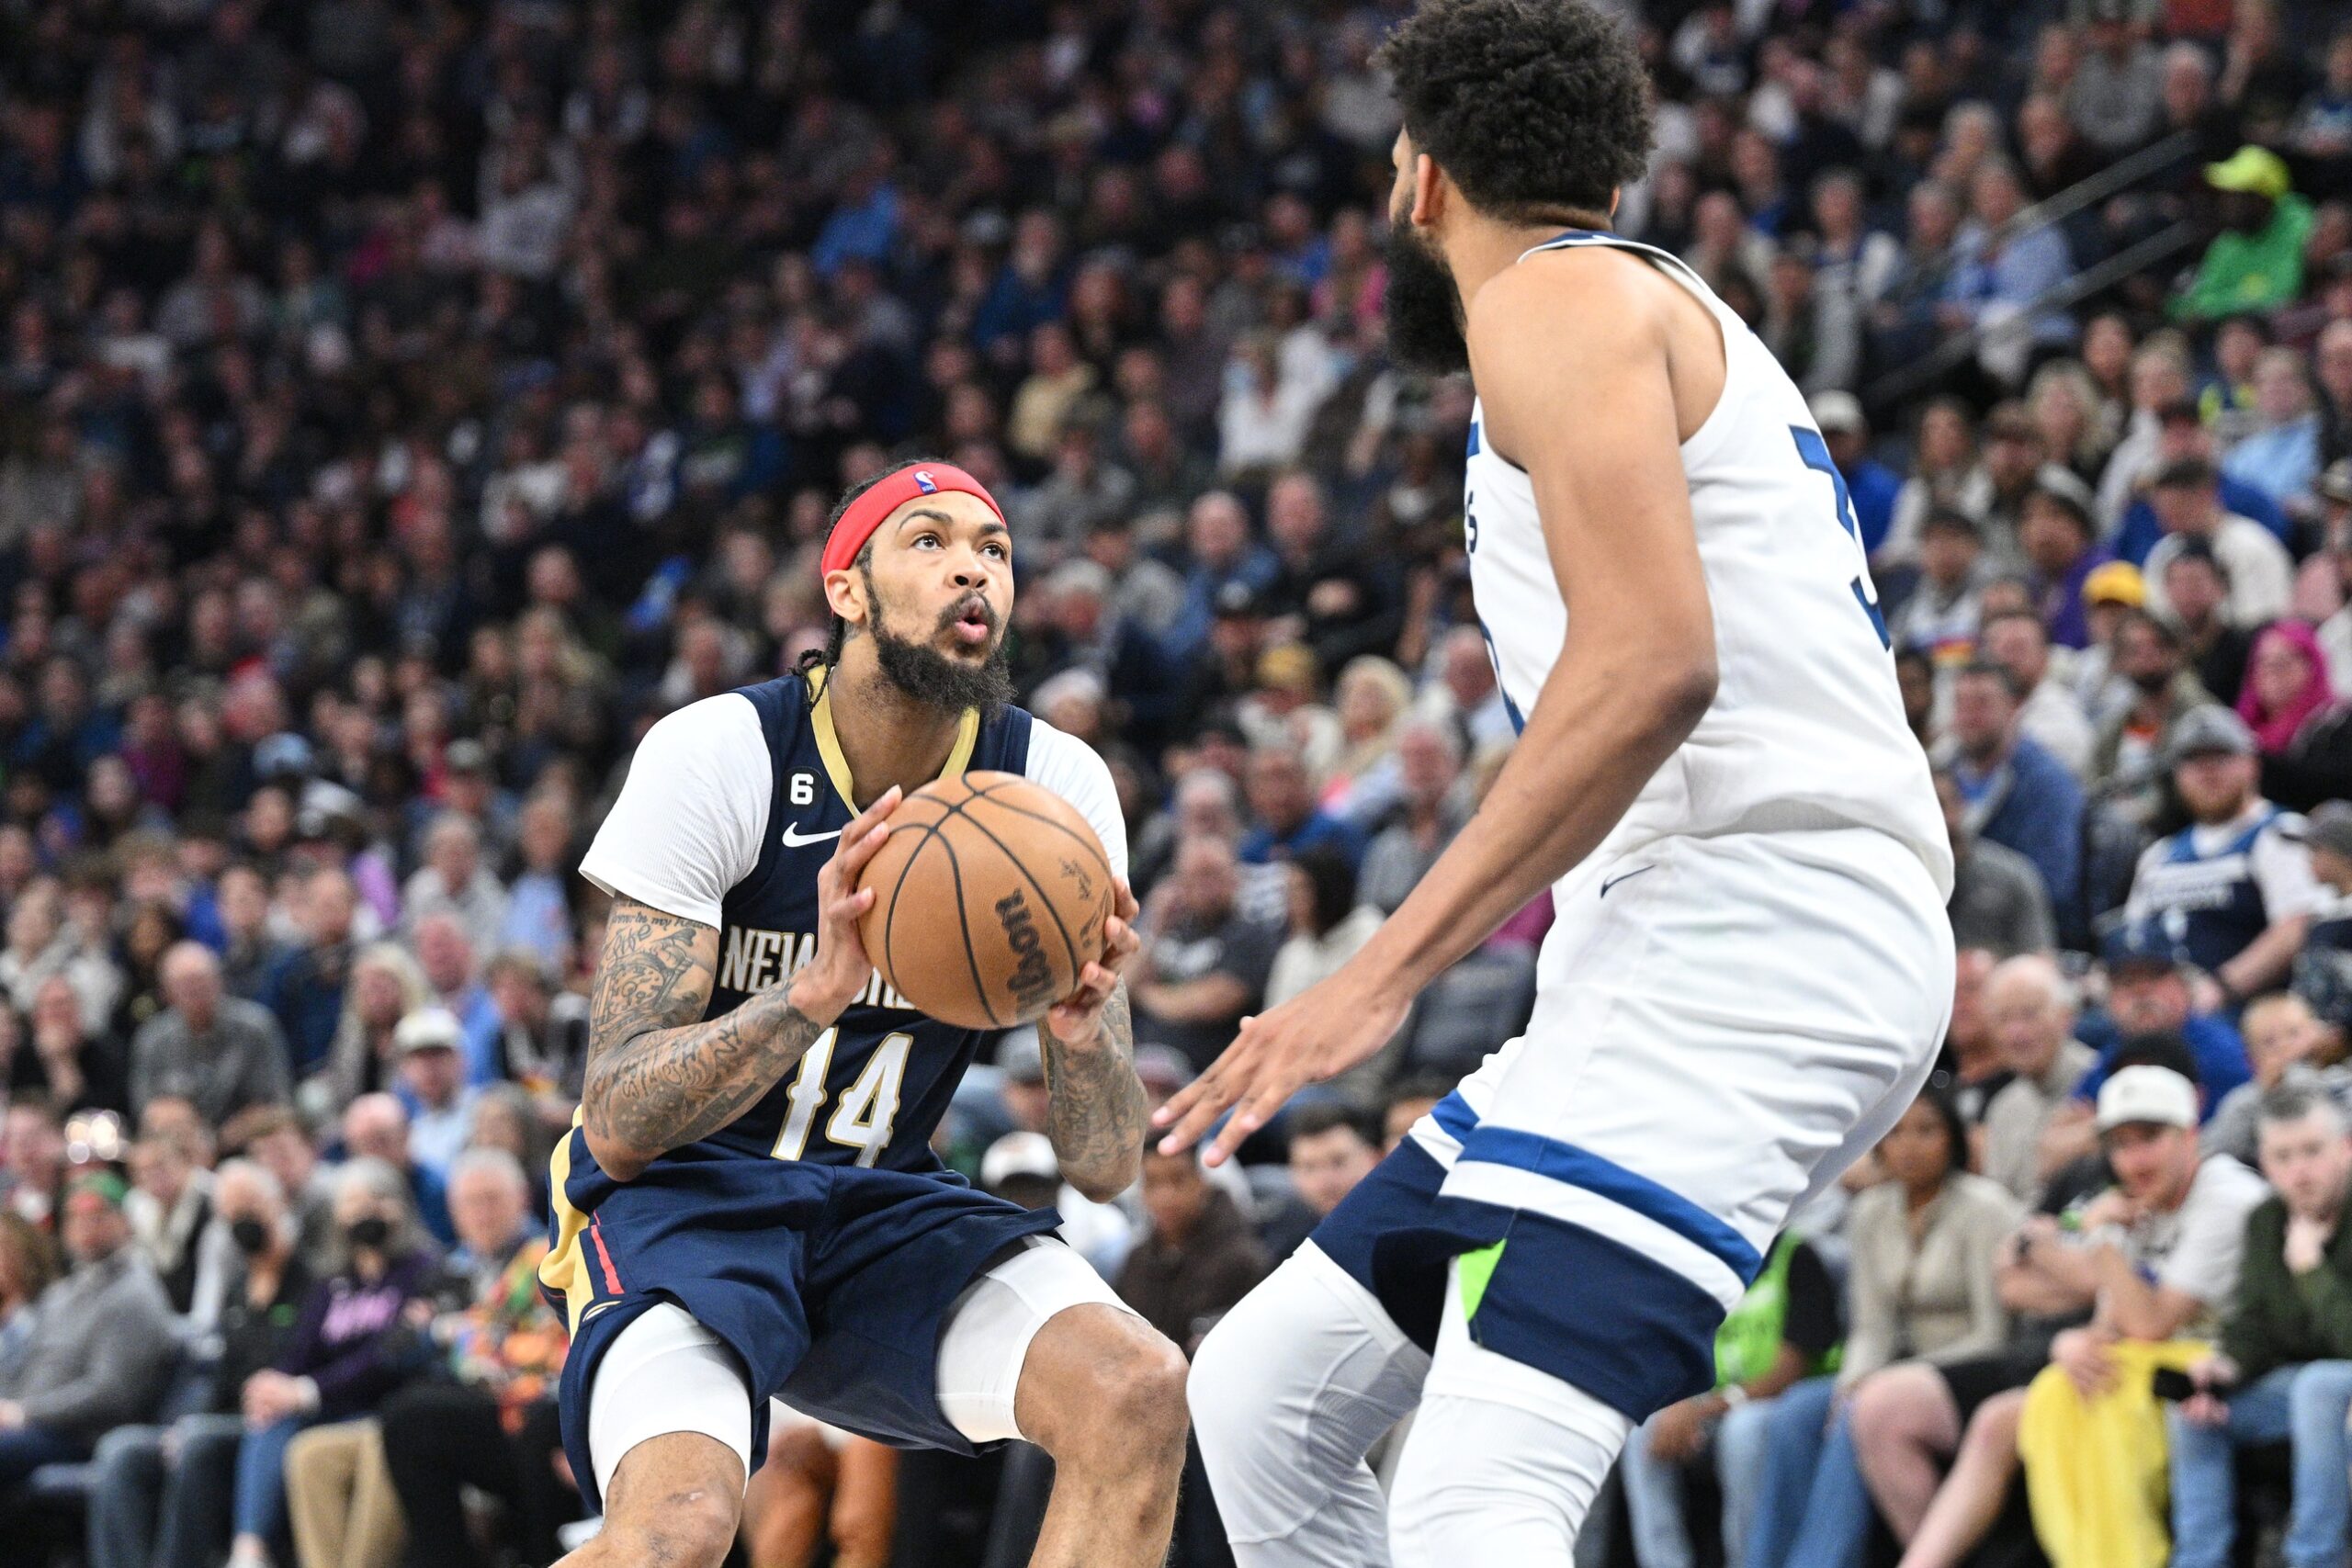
(1503, 1461)
(1298, 1382)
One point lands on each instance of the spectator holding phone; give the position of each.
(2284, 1371)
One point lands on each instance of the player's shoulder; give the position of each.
(726, 721)
(1056, 757)
(1606, 289)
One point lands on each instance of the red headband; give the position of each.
(867, 512)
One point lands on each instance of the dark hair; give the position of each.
(1939, 1100)
(2288, 1103)
(1536, 109)
(2162, 1048)
(1912, 653)
(1332, 882)
(1420, 1085)
(837, 629)
(1951, 520)
(1995, 619)
(1993, 671)
(1312, 1121)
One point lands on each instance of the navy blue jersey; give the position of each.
(872, 1086)
(817, 1235)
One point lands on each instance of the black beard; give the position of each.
(1424, 307)
(930, 677)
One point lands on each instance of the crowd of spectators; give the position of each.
(402, 406)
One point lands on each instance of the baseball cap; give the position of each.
(105, 1183)
(2116, 583)
(2208, 730)
(1162, 1067)
(2053, 483)
(2140, 944)
(426, 1029)
(281, 754)
(1237, 599)
(2153, 1095)
(2257, 170)
(466, 756)
(1834, 411)
(1017, 1154)
(2329, 828)
(1289, 667)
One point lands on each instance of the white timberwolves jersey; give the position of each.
(1806, 730)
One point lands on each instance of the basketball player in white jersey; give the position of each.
(1751, 966)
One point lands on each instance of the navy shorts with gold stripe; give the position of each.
(830, 1283)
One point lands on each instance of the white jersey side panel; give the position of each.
(1806, 728)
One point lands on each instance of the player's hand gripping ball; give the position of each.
(989, 897)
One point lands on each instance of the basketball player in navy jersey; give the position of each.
(749, 1206)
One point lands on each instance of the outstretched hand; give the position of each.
(1323, 1030)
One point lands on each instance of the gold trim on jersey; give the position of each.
(565, 1266)
(828, 744)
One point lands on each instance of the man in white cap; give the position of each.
(2163, 1247)
(432, 1085)
(1871, 483)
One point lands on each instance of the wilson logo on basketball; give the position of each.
(1033, 978)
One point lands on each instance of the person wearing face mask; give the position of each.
(349, 1348)
(160, 1495)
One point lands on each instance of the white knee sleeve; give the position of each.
(1503, 1463)
(665, 1373)
(986, 1338)
(1288, 1392)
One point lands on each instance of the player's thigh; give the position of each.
(1504, 1460)
(669, 1390)
(1040, 1346)
(1308, 1360)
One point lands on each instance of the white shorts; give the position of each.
(667, 1373)
(1721, 1027)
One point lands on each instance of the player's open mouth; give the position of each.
(972, 623)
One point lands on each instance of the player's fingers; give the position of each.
(1093, 989)
(1209, 1095)
(856, 851)
(1183, 1099)
(1125, 906)
(1267, 1096)
(1120, 943)
(864, 822)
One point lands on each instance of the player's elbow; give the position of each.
(1103, 1184)
(617, 1160)
(1675, 695)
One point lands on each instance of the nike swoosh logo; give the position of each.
(794, 838)
(1623, 878)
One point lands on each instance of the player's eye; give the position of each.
(922, 540)
(997, 550)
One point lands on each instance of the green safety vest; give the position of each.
(1750, 1341)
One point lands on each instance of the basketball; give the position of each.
(989, 897)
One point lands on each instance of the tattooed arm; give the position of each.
(1098, 1114)
(656, 1078)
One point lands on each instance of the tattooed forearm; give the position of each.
(656, 1078)
(1098, 1111)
